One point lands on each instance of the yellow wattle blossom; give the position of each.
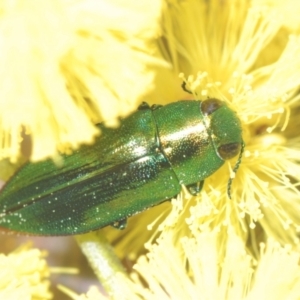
(246, 55)
(69, 64)
(24, 275)
(197, 270)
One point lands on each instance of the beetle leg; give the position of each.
(195, 188)
(120, 224)
(183, 85)
(143, 105)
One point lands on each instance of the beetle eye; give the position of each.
(229, 150)
(210, 105)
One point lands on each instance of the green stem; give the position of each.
(105, 263)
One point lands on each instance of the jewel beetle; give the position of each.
(140, 164)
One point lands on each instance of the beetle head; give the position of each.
(225, 131)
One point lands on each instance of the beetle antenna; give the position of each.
(237, 165)
(183, 85)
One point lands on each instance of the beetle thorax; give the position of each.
(185, 141)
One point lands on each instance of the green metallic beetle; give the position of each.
(129, 169)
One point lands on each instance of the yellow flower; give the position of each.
(24, 275)
(68, 64)
(248, 56)
(223, 47)
(197, 270)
